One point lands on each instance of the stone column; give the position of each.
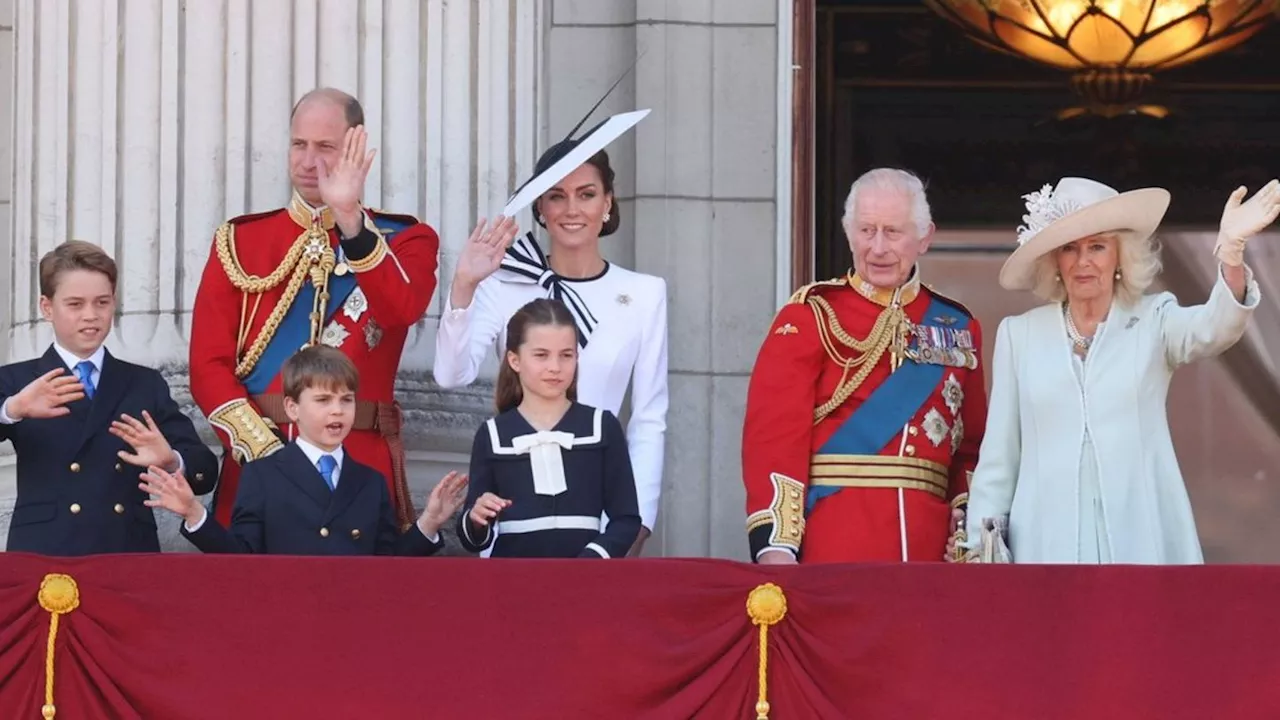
(142, 125)
(706, 175)
(697, 182)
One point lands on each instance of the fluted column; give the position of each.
(142, 125)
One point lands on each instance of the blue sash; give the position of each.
(881, 417)
(295, 327)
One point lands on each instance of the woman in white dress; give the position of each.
(1077, 457)
(621, 315)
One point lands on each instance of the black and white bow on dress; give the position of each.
(526, 263)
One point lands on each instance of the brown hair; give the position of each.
(351, 107)
(74, 255)
(540, 312)
(599, 161)
(318, 366)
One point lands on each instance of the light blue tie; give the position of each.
(84, 371)
(327, 465)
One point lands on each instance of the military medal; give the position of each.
(341, 269)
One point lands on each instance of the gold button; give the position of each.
(119, 467)
(911, 449)
(355, 534)
(119, 509)
(324, 532)
(75, 508)
(795, 532)
(75, 467)
(912, 430)
(795, 494)
(795, 506)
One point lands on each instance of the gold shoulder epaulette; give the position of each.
(802, 295)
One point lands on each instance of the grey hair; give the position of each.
(1139, 265)
(902, 181)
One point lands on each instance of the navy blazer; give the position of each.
(75, 495)
(284, 507)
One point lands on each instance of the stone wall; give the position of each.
(142, 124)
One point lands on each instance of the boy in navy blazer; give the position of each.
(85, 425)
(311, 498)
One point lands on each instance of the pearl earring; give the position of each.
(605, 218)
(1057, 277)
(1117, 274)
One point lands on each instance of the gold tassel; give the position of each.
(59, 594)
(766, 605)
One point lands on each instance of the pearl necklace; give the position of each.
(1080, 342)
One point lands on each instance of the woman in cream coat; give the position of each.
(1077, 454)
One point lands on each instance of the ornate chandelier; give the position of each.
(1111, 46)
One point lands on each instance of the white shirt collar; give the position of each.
(313, 453)
(70, 360)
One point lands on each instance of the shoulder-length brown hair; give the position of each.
(540, 312)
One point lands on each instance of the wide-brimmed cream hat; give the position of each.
(1075, 209)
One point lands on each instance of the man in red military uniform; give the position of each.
(322, 270)
(867, 402)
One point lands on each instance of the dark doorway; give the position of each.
(896, 85)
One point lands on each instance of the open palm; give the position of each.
(342, 185)
(1243, 220)
(482, 255)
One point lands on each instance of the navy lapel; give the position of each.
(113, 384)
(351, 481)
(301, 472)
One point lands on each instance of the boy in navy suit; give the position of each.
(311, 498)
(73, 418)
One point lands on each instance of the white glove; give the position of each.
(1243, 220)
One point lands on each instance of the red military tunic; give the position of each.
(871, 475)
(243, 328)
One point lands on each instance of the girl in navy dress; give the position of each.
(547, 467)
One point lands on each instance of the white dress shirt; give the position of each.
(628, 347)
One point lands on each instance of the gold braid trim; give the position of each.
(224, 242)
(310, 255)
(249, 435)
(259, 346)
(890, 331)
(374, 258)
(59, 595)
(766, 606)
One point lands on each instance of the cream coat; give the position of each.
(1029, 464)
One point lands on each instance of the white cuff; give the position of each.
(453, 313)
(204, 515)
(774, 548)
(4, 413)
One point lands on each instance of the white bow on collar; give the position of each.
(544, 448)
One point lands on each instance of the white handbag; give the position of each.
(995, 546)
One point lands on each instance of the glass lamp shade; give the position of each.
(1139, 36)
